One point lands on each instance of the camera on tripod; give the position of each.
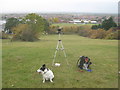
(59, 30)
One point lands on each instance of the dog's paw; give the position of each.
(43, 81)
(51, 81)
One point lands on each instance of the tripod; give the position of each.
(58, 48)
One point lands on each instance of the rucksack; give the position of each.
(83, 60)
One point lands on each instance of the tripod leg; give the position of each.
(54, 58)
(61, 45)
(64, 52)
(57, 47)
(65, 57)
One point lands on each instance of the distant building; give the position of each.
(83, 21)
(93, 22)
(75, 21)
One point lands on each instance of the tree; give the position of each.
(31, 28)
(24, 32)
(82, 21)
(56, 20)
(10, 23)
(94, 27)
(46, 25)
(108, 23)
(36, 22)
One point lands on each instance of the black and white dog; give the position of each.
(46, 73)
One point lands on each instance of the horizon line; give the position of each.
(60, 12)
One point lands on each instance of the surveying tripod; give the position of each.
(58, 48)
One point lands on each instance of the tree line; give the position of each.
(108, 29)
(30, 28)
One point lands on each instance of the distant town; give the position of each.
(75, 18)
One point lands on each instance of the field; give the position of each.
(71, 24)
(20, 60)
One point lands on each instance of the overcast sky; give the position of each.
(86, 6)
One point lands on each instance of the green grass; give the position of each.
(70, 24)
(20, 60)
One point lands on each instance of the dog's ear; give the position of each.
(44, 65)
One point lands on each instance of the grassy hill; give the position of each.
(20, 60)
